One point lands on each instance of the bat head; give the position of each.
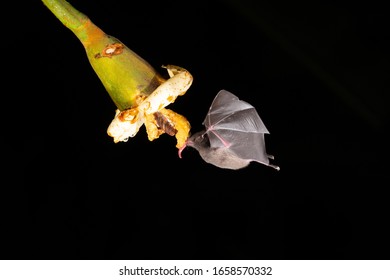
(198, 141)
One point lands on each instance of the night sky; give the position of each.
(317, 73)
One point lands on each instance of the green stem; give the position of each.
(66, 13)
(124, 74)
(76, 21)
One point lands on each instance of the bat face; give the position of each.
(233, 135)
(199, 140)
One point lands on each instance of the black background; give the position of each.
(317, 72)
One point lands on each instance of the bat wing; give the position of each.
(235, 124)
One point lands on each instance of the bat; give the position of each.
(233, 136)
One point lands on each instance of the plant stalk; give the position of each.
(124, 74)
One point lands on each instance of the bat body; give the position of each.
(233, 136)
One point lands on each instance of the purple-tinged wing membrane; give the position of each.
(236, 125)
